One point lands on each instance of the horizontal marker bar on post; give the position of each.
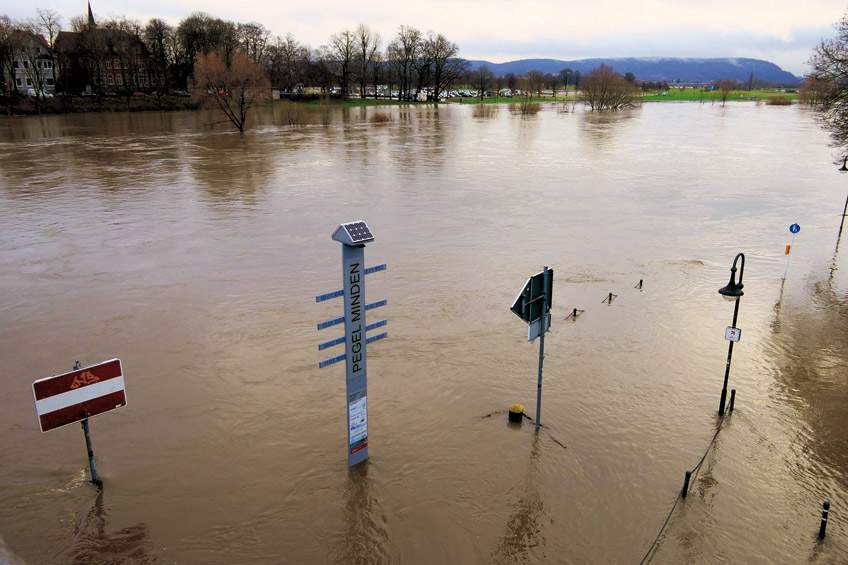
(340, 292)
(375, 304)
(329, 295)
(331, 343)
(331, 323)
(376, 325)
(377, 337)
(331, 361)
(340, 340)
(375, 268)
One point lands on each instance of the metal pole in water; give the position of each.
(685, 490)
(541, 346)
(788, 256)
(825, 512)
(91, 463)
(732, 398)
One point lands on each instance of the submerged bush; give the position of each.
(484, 110)
(779, 101)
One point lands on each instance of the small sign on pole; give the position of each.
(533, 305)
(732, 334)
(76, 396)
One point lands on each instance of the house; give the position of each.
(103, 59)
(31, 67)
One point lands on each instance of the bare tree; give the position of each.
(367, 47)
(444, 68)
(7, 56)
(233, 88)
(402, 53)
(159, 38)
(532, 82)
(481, 80)
(605, 89)
(725, 87)
(288, 63)
(253, 38)
(343, 49)
(829, 81)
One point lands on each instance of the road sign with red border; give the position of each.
(72, 397)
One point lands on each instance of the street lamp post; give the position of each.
(843, 170)
(732, 292)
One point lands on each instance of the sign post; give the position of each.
(533, 305)
(353, 236)
(794, 228)
(76, 396)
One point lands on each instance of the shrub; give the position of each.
(779, 101)
(484, 110)
(380, 118)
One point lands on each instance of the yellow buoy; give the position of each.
(516, 413)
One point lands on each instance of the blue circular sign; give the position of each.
(794, 228)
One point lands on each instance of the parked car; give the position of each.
(182, 93)
(139, 94)
(32, 92)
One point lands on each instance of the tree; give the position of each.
(234, 88)
(367, 48)
(342, 49)
(829, 79)
(605, 89)
(630, 77)
(288, 63)
(444, 66)
(725, 87)
(481, 80)
(402, 53)
(532, 82)
(566, 75)
(253, 38)
(7, 55)
(159, 38)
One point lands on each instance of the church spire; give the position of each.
(91, 17)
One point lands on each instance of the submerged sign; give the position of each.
(72, 397)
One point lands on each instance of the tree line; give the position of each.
(349, 63)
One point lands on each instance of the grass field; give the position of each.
(697, 95)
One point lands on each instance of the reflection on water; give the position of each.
(93, 544)
(365, 539)
(524, 527)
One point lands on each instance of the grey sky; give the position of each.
(502, 30)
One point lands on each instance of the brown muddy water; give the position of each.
(194, 255)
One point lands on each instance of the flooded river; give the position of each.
(194, 254)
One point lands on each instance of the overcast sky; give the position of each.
(504, 30)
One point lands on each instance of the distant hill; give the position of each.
(656, 68)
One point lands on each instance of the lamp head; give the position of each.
(732, 292)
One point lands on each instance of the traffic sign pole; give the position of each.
(544, 298)
(794, 228)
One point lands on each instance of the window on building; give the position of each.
(29, 82)
(119, 79)
(48, 64)
(49, 81)
(108, 64)
(26, 64)
(19, 81)
(110, 79)
(15, 64)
